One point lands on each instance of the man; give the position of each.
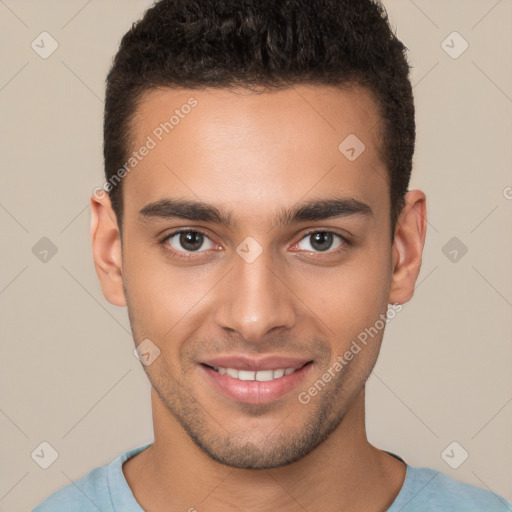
(256, 221)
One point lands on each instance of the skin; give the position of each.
(254, 155)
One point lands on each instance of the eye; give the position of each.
(322, 241)
(187, 240)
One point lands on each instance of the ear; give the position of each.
(106, 248)
(407, 247)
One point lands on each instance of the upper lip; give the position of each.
(242, 362)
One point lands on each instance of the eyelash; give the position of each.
(189, 255)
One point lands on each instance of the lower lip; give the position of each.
(253, 391)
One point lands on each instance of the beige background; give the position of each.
(68, 373)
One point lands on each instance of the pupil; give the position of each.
(191, 240)
(319, 238)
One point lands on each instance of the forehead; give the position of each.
(256, 151)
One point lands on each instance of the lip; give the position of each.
(247, 363)
(252, 391)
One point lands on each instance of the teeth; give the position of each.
(245, 375)
(260, 375)
(232, 372)
(264, 375)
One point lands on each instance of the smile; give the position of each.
(254, 386)
(260, 375)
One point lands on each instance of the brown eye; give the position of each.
(322, 241)
(188, 241)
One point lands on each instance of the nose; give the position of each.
(255, 299)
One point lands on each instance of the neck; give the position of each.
(344, 472)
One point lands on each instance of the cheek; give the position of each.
(351, 298)
(162, 295)
(166, 299)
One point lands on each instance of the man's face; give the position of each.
(303, 289)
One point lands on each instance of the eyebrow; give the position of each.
(314, 210)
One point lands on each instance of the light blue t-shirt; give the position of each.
(424, 490)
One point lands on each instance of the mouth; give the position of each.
(256, 386)
(258, 375)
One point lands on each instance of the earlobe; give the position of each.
(106, 248)
(408, 246)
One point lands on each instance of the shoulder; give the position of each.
(429, 490)
(104, 489)
(87, 494)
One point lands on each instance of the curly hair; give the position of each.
(265, 44)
